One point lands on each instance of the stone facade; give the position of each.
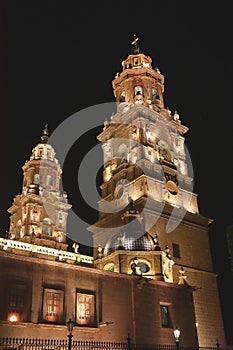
(132, 303)
(151, 269)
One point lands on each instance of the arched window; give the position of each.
(154, 94)
(36, 179)
(138, 90)
(18, 228)
(48, 180)
(122, 97)
(122, 151)
(47, 227)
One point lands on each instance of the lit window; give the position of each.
(16, 303)
(176, 250)
(48, 180)
(85, 311)
(122, 151)
(164, 311)
(47, 227)
(138, 90)
(154, 94)
(53, 305)
(36, 179)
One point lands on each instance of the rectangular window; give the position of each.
(165, 320)
(16, 304)
(176, 250)
(53, 305)
(85, 308)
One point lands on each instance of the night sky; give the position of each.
(60, 57)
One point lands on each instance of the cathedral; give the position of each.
(151, 269)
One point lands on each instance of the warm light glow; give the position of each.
(176, 334)
(13, 318)
(61, 254)
(70, 325)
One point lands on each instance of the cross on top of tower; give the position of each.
(136, 48)
(45, 134)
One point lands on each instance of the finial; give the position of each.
(100, 251)
(75, 246)
(176, 117)
(106, 123)
(136, 48)
(156, 242)
(45, 135)
(182, 277)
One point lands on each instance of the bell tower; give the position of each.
(39, 214)
(143, 153)
(149, 221)
(138, 82)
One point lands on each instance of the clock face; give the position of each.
(119, 191)
(121, 196)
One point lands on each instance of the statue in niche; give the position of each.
(122, 153)
(135, 267)
(33, 236)
(167, 269)
(134, 157)
(108, 152)
(163, 151)
(35, 213)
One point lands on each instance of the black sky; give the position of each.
(58, 57)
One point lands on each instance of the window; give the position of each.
(47, 227)
(176, 250)
(48, 180)
(40, 152)
(122, 152)
(138, 90)
(85, 309)
(122, 97)
(154, 94)
(18, 228)
(17, 303)
(53, 305)
(36, 179)
(165, 320)
(143, 267)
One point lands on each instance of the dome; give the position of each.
(133, 238)
(43, 150)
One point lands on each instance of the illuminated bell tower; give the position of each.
(144, 160)
(149, 222)
(39, 214)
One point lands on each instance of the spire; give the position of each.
(136, 48)
(45, 135)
